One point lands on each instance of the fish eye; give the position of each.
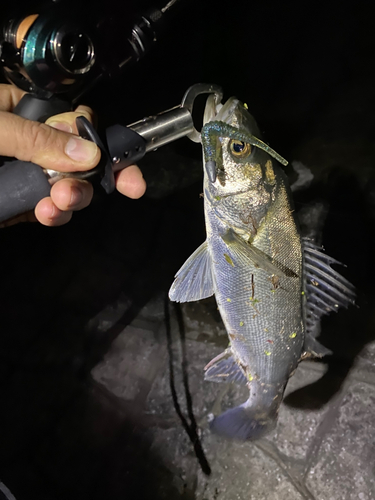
(239, 149)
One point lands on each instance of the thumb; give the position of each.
(41, 144)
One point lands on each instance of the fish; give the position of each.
(272, 286)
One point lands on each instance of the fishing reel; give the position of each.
(57, 56)
(47, 53)
(56, 59)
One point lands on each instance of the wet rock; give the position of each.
(366, 358)
(296, 427)
(203, 321)
(343, 465)
(188, 367)
(242, 470)
(154, 309)
(130, 366)
(174, 446)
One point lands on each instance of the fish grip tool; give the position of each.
(24, 184)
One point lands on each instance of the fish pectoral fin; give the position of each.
(243, 251)
(224, 368)
(194, 279)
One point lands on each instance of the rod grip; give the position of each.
(22, 186)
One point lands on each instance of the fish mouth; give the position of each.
(220, 112)
(228, 110)
(233, 113)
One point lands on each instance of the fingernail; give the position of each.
(51, 213)
(65, 127)
(81, 150)
(75, 197)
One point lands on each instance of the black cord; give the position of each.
(192, 428)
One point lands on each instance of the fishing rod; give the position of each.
(57, 59)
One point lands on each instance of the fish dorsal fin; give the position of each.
(326, 290)
(194, 279)
(224, 368)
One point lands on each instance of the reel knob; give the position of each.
(73, 50)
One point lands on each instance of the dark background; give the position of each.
(305, 69)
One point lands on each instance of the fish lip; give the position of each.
(211, 109)
(221, 112)
(227, 111)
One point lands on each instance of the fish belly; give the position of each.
(261, 312)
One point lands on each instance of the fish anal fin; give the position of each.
(194, 279)
(315, 349)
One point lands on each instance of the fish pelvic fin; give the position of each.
(243, 423)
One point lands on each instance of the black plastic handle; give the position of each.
(22, 186)
(39, 110)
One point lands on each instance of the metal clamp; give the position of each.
(190, 96)
(176, 122)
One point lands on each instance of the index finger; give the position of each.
(67, 121)
(10, 96)
(47, 147)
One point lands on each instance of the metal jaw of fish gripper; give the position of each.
(189, 98)
(176, 122)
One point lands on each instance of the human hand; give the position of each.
(55, 145)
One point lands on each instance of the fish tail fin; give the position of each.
(244, 423)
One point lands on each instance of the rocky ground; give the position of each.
(320, 449)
